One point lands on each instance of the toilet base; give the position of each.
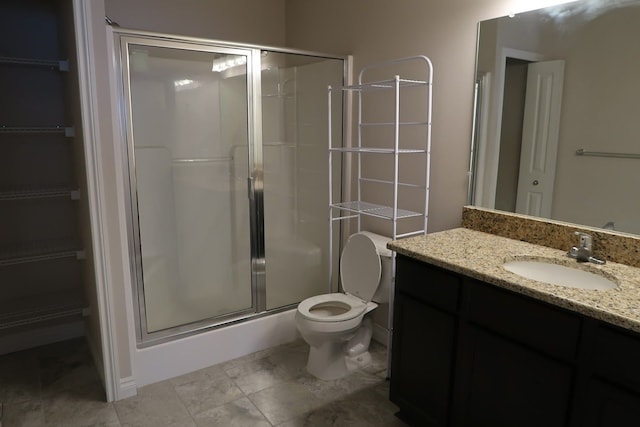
(356, 362)
(338, 365)
(335, 359)
(327, 361)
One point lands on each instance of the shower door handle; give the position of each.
(250, 187)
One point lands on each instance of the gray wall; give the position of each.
(246, 21)
(377, 30)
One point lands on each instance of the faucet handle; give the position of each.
(585, 240)
(583, 252)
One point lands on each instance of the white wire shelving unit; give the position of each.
(394, 149)
(36, 301)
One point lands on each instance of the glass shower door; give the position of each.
(296, 200)
(189, 156)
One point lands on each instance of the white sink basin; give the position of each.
(560, 275)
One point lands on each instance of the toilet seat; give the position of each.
(360, 271)
(354, 307)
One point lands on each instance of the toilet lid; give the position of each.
(360, 267)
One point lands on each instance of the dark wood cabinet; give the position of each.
(423, 321)
(468, 353)
(612, 395)
(609, 405)
(423, 392)
(503, 383)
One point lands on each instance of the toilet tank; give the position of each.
(386, 259)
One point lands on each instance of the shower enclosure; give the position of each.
(226, 170)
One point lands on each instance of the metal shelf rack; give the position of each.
(357, 208)
(40, 282)
(395, 148)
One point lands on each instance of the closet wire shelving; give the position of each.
(50, 306)
(358, 208)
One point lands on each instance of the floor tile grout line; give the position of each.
(248, 395)
(245, 395)
(186, 408)
(192, 415)
(115, 409)
(258, 408)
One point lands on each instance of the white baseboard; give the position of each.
(127, 388)
(36, 337)
(96, 354)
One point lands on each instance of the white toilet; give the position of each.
(334, 325)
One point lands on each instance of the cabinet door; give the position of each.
(610, 406)
(422, 358)
(501, 383)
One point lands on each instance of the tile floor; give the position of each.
(57, 385)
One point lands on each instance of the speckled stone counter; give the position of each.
(609, 245)
(481, 256)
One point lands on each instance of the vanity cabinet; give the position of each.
(514, 365)
(613, 391)
(468, 353)
(424, 319)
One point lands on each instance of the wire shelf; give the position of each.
(377, 150)
(68, 131)
(23, 194)
(62, 65)
(40, 251)
(41, 308)
(373, 209)
(385, 84)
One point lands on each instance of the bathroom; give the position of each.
(369, 31)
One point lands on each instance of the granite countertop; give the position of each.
(480, 255)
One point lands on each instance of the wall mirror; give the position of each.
(557, 114)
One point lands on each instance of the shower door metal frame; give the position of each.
(122, 39)
(254, 161)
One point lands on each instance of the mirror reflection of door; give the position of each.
(529, 136)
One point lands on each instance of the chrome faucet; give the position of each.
(583, 252)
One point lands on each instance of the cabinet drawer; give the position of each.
(616, 356)
(533, 323)
(433, 285)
